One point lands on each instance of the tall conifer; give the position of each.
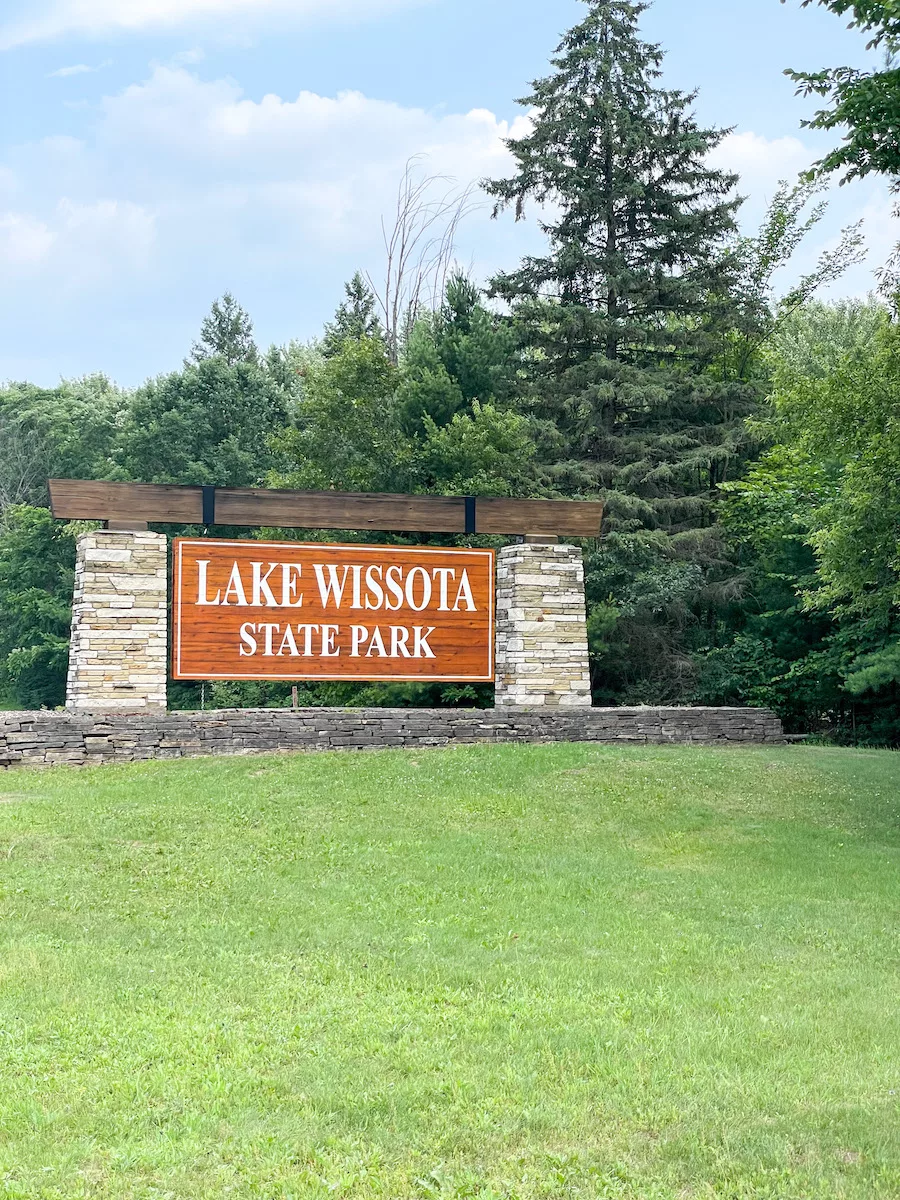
(356, 317)
(623, 316)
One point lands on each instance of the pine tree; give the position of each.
(454, 358)
(624, 316)
(227, 332)
(355, 318)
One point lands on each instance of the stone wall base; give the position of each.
(50, 738)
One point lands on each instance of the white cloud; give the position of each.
(77, 246)
(38, 20)
(185, 187)
(762, 164)
(77, 69)
(314, 171)
(24, 240)
(188, 58)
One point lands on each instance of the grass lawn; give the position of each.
(491, 972)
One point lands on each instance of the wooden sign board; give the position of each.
(289, 610)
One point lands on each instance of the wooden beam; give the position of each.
(168, 504)
(91, 500)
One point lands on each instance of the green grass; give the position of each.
(492, 972)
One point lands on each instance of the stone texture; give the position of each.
(118, 657)
(48, 738)
(542, 651)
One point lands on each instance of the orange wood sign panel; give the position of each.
(289, 610)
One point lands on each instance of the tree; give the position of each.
(865, 103)
(67, 431)
(454, 357)
(345, 432)
(760, 313)
(209, 423)
(620, 317)
(419, 248)
(622, 325)
(23, 471)
(356, 317)
(37, 574)
(353, 428)
(849, 418)
(817, 340)
(227, 333)
(813, 528)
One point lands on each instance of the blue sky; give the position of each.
(154, 153)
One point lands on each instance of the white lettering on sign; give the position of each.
(271, 640)
(376, 590)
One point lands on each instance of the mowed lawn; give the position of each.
(514, 971)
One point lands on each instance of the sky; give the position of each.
(156, 153)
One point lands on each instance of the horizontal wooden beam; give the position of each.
(168, 504)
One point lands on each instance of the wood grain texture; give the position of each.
(95, 500)
(292, 611)
(339, 510)
(74, 499)
(573, 518)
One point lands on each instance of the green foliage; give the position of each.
(813, 528)
(37, 573)
(209, 423)
(850, 418)
(864, 103)
(485, 452)
(226, 333)
(456, 357)
(356, 317)
(430, 425)
(68, 431)
(345, 433)
(818, 339)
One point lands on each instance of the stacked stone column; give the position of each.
(542, 650)
(119, 653)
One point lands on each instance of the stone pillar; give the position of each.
(542, 651)
(118, 657)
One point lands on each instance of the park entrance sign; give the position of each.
(291, 611)
(313, 610)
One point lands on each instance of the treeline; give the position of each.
(746, 443)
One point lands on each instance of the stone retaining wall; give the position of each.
(48, 738)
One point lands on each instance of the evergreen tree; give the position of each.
(356, 317)
(626, 313)
(454, 358)
(624, 323)
(227, 332)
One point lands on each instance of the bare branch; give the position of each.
(419, 247)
